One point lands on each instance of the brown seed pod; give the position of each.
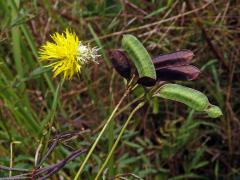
(183, 57)
(187, 72)
(120, 62)
(146, 81)
(169, 67)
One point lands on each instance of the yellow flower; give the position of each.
(67, 54)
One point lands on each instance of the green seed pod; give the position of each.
(141, 59)
(191, 97)
(214, 111)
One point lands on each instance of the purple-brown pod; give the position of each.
(187, 72)
(178, 58)
(120, 62)
(147, 81)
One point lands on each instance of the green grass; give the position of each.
(163, 140)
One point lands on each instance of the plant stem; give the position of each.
(111, 129)
(54, 107)
(102, 131)
(11, 155)
(118, 139)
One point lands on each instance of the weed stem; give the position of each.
(103, 130)
(118, 139)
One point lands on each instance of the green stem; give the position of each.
(53, 113)
(110, 144)
(111, 130)
(11, 155)
(118, 139)
(102, 131)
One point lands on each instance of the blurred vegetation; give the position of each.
(165, 140)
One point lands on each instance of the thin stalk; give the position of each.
(118, 139)
(11, 156)
(56, 96)
(111, 129)
(110, 145)
(102, 131)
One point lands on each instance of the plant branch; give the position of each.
(118, 139)
(103, 130)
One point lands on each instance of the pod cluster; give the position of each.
(166, 67)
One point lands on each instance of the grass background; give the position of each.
(165, 139)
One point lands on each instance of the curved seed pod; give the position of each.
(120, 62)
(185, 95)
(188, 72)
(214, 111)
(183, 57)
(141, 59)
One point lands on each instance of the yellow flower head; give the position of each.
(67, 54)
